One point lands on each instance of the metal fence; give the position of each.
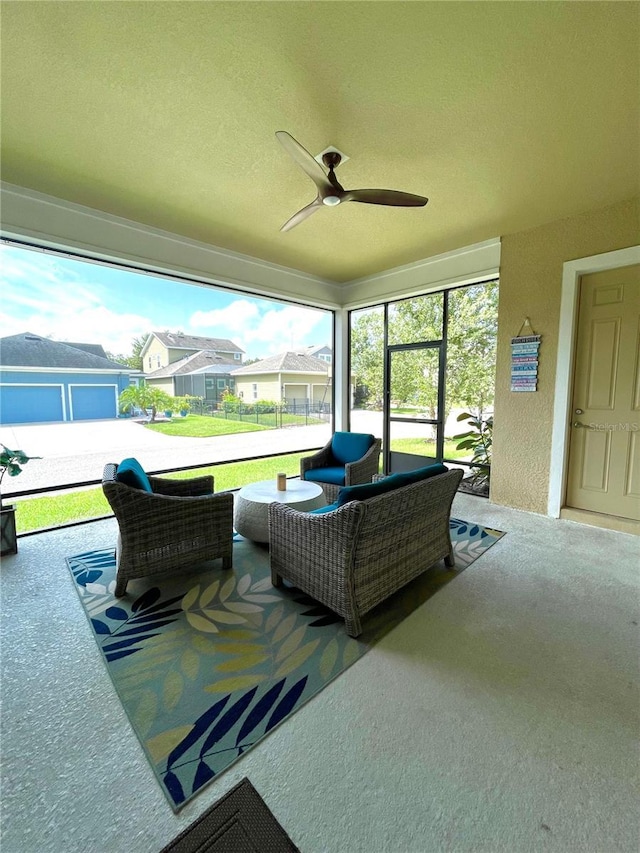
(276, 415)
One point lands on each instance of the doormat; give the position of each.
(238, 821)
(207, 662)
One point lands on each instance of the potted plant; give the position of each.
(183, 405)
(479, 439)
(11, 462)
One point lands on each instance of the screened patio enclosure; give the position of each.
(420, 363)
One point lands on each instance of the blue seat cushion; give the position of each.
(394, 481)
(131, 473)
(350, 446)
(334, 475)
(321, 510)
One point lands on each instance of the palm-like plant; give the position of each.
(145, 397)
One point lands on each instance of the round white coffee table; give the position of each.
(251, 513)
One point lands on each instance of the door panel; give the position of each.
(603, 363)
(93, 402)
(596, 461)
(604, 458)
(636, 384)
(632, 485)
(30, 404)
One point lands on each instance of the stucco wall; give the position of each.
(268, 387)
(164, 384)
(530, 286)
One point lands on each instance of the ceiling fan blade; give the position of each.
(391, 197)
(305, 161)
(302, 214)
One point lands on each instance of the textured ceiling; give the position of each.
(506, 115)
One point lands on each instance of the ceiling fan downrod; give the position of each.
(332, 160)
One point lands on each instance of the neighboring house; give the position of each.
(202, 374)
(287, 377)
(164, 348)
(323, 352)
(47, 381)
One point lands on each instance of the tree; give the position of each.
(367, 355)
(145, 397)
(135, 359)
(471, 352)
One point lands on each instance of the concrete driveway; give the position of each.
(77, 451)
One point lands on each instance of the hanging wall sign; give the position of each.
(524, 360)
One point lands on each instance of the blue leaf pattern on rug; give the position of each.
(207, 662)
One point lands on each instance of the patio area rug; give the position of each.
(208, 662)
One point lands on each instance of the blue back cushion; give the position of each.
(409, 477)
(350, 446)
(131, 473)
(366, 490)
(394, 481)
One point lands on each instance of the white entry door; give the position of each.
(604, 458)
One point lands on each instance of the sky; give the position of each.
(68, 300)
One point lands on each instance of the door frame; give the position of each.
(568, 326)
(441, 346)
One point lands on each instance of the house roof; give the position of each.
(29, 350)
(317, 348)
(176, 340)
(94, 349)
(491, 110)
(285, 362)
(199, 362)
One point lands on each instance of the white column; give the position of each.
(341, 370)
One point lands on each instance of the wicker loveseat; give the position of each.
(353, 556)
(167, 525)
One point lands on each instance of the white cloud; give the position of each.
(231, 320)
(51, 301)
(67, 301)
(289, 327)
(114, 331)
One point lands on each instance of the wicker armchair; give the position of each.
(332, 473)
(177, 524)
(358, 555)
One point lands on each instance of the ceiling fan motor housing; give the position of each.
(331, 149)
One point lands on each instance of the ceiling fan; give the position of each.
(332, 193)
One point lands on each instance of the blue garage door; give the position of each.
(93, 401)
(30, 404)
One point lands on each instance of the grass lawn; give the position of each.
(427, 447)
(60, 508)
(201, 426)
